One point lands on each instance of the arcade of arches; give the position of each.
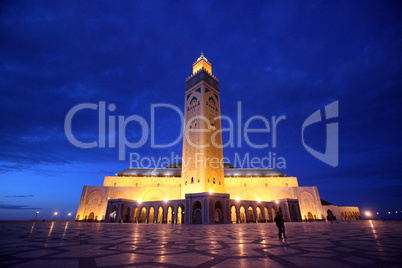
(201, 208)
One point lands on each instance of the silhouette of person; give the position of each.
(280, 223)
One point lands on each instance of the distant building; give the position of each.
(204, 190)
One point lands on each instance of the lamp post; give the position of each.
(36, 214)
(54, 215)
(68, 216)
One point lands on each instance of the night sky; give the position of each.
(276, 58)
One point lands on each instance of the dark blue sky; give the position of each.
(278, 58)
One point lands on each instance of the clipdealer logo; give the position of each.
(112, 133)
(331, 154)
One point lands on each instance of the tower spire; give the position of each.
(203, 169)
(202, 63)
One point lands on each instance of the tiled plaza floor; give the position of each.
(319, 244)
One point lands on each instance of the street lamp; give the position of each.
(36, 214)
(68, 216)
(54, 215)
(390, 216)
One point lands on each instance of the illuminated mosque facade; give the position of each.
(204, 191)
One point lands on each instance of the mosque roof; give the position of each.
(174, 170)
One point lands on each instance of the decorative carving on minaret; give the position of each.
(202, 139)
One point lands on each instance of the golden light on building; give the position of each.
(202, 63)
(184, 188)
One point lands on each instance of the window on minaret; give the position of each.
(213, 181)
(192, 180)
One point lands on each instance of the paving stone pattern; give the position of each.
(317, 244)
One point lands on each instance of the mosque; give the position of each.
(203, 189)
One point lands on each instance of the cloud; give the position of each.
(22, 196)
(16, 207)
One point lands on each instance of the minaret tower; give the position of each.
(202, 168)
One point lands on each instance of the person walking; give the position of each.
(280, 223)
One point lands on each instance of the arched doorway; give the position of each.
(180, 214)
(218, 214)
(91, 216)
(259, 215)
(242, 214)
(273, 212)
(169, 216)
(151, 216)
(126, 217)
(310, 216)
(197, 213)
(233, 215)
(267, 217)
(143, 214)
(250, 213)
(160, 215)
(112, 215)
(330, 215)
(135, 215)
